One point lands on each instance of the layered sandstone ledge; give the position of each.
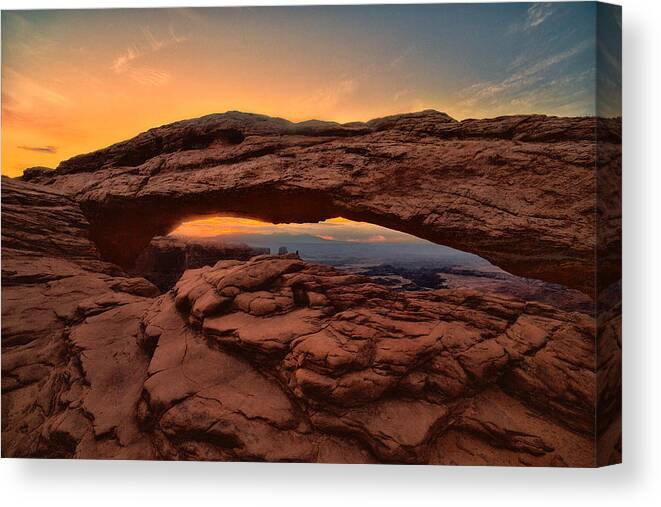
(278, 359)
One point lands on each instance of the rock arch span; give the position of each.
(519, 190)
(92, 358)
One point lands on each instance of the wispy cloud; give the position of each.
(376, 238)
(40, 149)
(400, 94)
(25, 89)
(401, 58)
(330, 230)
(31, 101)
(566, 95)
(149, 76)
(27, 39)
(528, 75)
(128, 62)
(121, 62)
(328, 97)
(536, 15)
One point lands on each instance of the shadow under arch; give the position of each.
(122, 229)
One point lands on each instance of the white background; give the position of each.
(636, 482)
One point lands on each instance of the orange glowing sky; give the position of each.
(333, 229)
(78, 80)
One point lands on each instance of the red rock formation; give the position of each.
(267, 359)
(278, 359)
(71, 365)
(166, 258)
(518, 190)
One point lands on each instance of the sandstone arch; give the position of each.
(518, 191)
(91, 357)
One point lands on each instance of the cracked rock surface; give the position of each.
(71, 365)
(274, 359)
(248, 356)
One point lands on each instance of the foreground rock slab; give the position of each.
(274, 359)
(71, 365)
(269, 358)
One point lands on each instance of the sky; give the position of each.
(334, 229)
(78, 80)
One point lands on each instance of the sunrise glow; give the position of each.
(333, 229)
(78, 80)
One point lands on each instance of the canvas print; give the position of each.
(331, 234)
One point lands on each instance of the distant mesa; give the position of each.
(166, 258)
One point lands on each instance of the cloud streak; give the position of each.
(523, 82)
(149, 76)
(40, 149)
(127, 63)
(536, 15)
(32, 102)
(337, 229)
(331, 96)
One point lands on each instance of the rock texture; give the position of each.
(518, 190)
(166, 258)
(268, 359)
(72, 368)
(274, 359)
(277, 359)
